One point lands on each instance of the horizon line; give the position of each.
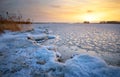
(100, 22)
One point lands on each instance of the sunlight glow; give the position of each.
(92, 17)
(63, 10)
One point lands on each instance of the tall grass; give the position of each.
(13, 23)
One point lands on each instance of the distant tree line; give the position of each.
(86, 22)
(110, 22)
(9, 19)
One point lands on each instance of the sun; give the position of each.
(91, 17)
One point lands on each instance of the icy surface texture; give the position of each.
(21, 56)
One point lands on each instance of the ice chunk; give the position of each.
(37, 37)
(51, 36)
(40, 37)
(88, 66)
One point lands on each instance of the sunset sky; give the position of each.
(63, 10)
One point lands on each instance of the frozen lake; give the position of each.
(101, 40)
(61, 50)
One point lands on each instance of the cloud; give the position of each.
(89, 11)
(55, 6)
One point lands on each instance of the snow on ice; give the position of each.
(21, 56)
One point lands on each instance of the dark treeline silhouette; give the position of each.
(86, 22)
(110, 22)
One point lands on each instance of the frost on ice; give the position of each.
(21, 56)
